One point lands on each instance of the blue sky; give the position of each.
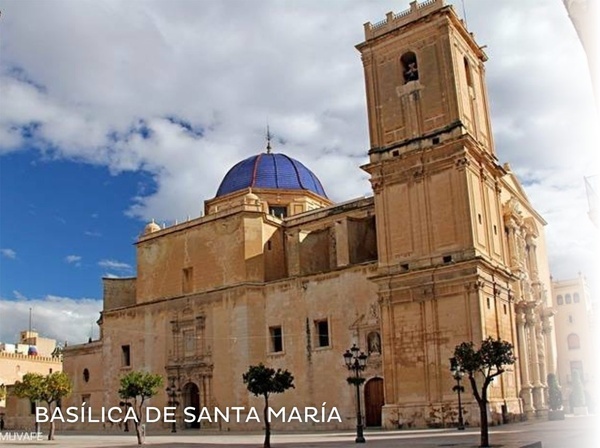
(115, 113)
(65, 224)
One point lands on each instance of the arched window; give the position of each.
(410, 69)
(573, 341)
(559, 300)
(468, 74)
(86, 375)
(567, 298)
(576, 297)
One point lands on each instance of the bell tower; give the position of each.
(425, 80)
(444, 273)
(433, 165)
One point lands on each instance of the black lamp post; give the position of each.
(356, 362)
(173, 393)
(457, 373)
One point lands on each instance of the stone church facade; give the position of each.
(447, 250)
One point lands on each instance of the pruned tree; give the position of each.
(264, 381)
(49, 389)
(136, 388)
(482, 365)
(554, 394)
(577, 397)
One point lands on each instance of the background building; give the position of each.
(448, 249)
(575, 338)
(31, 354)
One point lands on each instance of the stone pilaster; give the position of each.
(538, 389)
(526, 388)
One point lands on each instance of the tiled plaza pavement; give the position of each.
(574, 432)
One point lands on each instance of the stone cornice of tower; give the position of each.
(416, 13)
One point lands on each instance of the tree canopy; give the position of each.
(139, 386)
(262, 380)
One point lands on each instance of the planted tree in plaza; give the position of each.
(577, 397)
(482, 365)
(136, 388)
(264, 381)
(49, 389)
(555, 402)
(554, 393)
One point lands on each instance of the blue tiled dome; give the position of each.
(270, 170)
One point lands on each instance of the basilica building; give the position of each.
(447, 249)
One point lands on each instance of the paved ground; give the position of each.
(573, 432)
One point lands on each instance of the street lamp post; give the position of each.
(173, 393)
(457, 373)
(356, 361)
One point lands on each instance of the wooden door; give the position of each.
(191, 400)
(373, 401)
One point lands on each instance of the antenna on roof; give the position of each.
(30, 320)
(268, 140)
(464, 12)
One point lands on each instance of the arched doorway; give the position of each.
(373, 401)
(191, 399)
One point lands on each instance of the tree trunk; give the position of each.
(138, 433)
(38, 428)
(267, 443)
(52, 426)
(483, 417)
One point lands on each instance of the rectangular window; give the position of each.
(322, 329)
(187, 281)
(32, 407)
(276, 335)
(189, 342)
(125, 356)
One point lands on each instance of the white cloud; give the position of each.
(111, 275)
(60, 318)
(73, 259)
(184, 90)
(115, 265)
(8, 253)
(18, 295)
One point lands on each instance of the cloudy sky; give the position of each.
(114, 113)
